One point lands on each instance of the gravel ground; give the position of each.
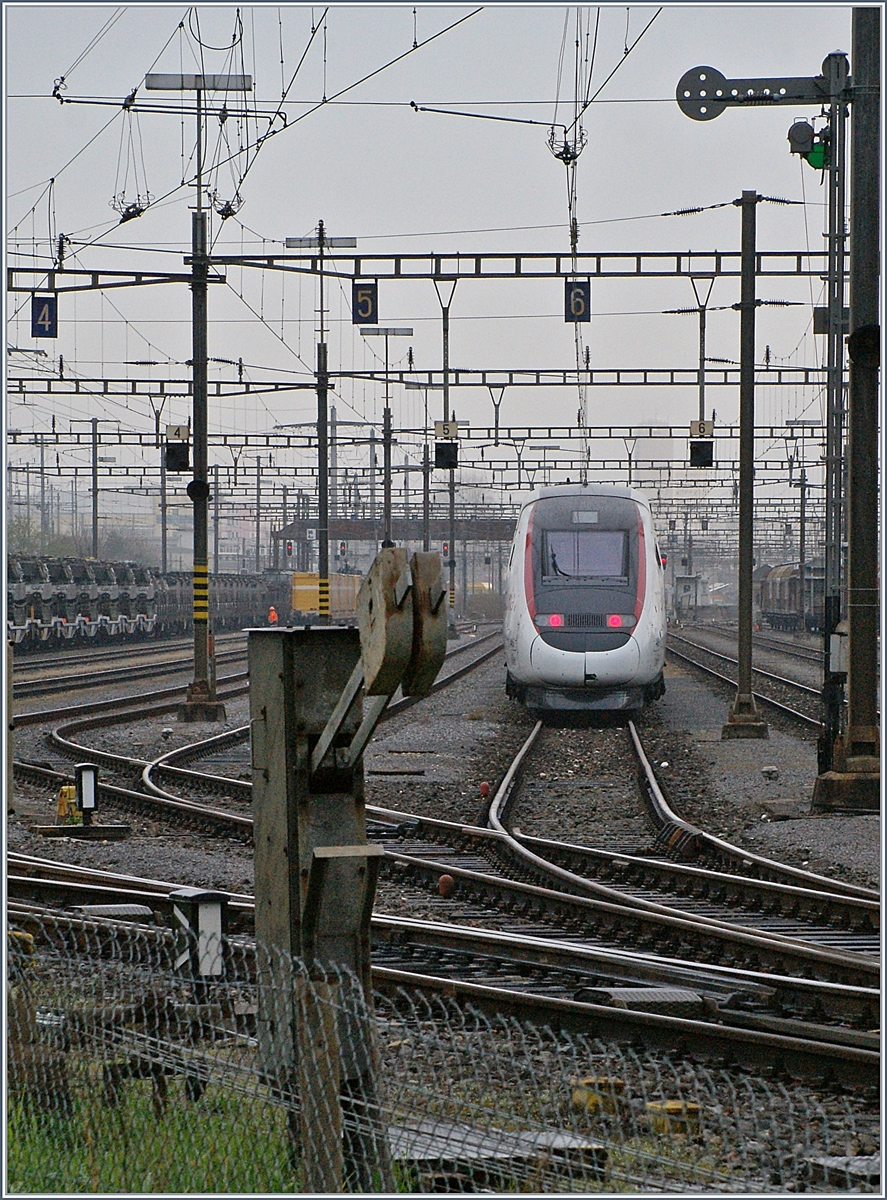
(468, 733)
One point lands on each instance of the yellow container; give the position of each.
(343, 594)
(598, 1093)
(673, 1116)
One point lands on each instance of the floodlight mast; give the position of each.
(201, 695)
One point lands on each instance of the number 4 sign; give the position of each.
(44, 316)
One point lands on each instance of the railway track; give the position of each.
(769, 641)
(753, 927)
(621, 995)
(768, 923)
(809, 698)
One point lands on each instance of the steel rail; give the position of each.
(800, 717)
(792, 683)
(751, 1036)
(737, 853)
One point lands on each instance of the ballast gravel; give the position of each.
(432, 759)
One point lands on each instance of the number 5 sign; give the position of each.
(577, 304)
(364, 310)
(44, 316)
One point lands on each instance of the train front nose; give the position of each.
(614, 665)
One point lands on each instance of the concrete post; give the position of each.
(314, 882)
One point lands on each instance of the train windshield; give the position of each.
(590, 555)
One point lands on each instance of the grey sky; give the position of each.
(402, 181)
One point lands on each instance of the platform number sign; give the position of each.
(44, 317)
(577, 301)
(364, 303)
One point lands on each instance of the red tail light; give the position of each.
(614, 621)
(549, 620)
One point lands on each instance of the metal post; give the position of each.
(373, 480)
(323, 502)
(426, 498)
(386, 474)
(200, 704)
(451, 564)
(162, 509)
(216, 519)
(95, 489)
(334, 464)
(802, 554)
(835, 66)
(862, 738)
(744, 719)
(258, 514)
(43, 521)
(702, 306)
(854, 781)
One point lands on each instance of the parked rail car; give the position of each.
(343, 596)
(54, 602)
(585, 619)
(775, 595)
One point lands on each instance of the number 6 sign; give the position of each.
(577, 303)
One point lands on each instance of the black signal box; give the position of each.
(177, 456)
(446, 455)
(702, 454)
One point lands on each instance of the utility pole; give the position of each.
(258, 514)
(448, 416)
(334, 465)
(379, 331)
(702, 306)
(833, 673)
(426, 463)
(215, 520)
(854, 781)
(43, 497)
(201, 704)
(95, 487)
(321, 241)
(744, 719)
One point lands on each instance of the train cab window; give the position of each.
(599, 556)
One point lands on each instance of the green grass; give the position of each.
(225, 1142)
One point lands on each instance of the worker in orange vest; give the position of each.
(272, 615)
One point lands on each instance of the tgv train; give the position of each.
(585, 615)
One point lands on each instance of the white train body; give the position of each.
(585, 615)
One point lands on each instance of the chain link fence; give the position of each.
(129, 1071)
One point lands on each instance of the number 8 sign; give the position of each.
(577, 303)
(44, 316)
(364, 309)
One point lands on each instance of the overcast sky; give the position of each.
(369, 166)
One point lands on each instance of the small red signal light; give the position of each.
(555, 620)
(446, 549)
(614, 621)
(289, 549)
